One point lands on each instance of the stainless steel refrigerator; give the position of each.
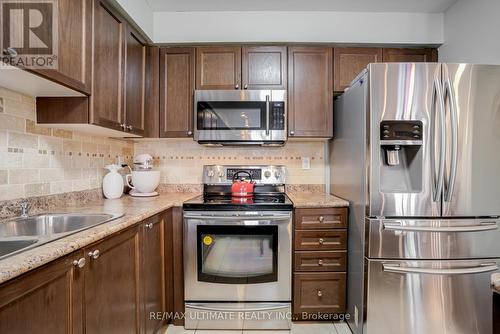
(416, 151)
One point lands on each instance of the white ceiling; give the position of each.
(420, 6)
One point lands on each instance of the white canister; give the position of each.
(112, 184)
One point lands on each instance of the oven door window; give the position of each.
(237, 254)
(218, 115)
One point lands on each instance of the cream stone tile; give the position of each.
(23, 140)
(11, 123)
(32, 128)
(3, 138)
(61, 161)
(10, 94)
(73, 146)
(89, 147)
(22, 176)
(72, 173)
(80, 161)
(20, 108)
(11, 160)
(50, 144)
(62, 133)
(81, 184)
(51, 174)
(36, 160)
(61, 187)
(8, 192)
(89, 173)
(38, 189)
(4, 176)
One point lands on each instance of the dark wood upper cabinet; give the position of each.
(310, 92)
(46, 301)
(349, 62)
(74, 62)
(135, 82)
(177, 83)
(410, 55)
(153, 271)
(112, 286)
(218, 68)
(264, 67)
(109, 49)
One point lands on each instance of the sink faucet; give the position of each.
(24, 209)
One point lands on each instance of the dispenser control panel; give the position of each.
(401, 130)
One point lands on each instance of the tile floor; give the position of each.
(309, 328)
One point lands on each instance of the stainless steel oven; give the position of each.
(237, 262)
(246, 117)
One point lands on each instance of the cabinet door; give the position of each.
(47, 300)
(218, 68)
(310, 92)
(74, 63)
(153, 271)
(264, 67)
(410, 55)
(135, 82)
(177, 92)
(112, 285)
(109, 48)
(349, 62)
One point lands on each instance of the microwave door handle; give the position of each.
(267, 115)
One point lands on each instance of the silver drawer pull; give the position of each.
(320, 262)
(80, 263)
(320, 293)
(483, 268)
(94, 255)
(321, 241)
(321, 219)
(485, 226)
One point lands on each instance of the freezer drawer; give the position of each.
(415, 297)
(433, 238)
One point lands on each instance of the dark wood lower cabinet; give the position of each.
(48, 300)
(318, 293)
(113, 286)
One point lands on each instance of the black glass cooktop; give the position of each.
(225, 202)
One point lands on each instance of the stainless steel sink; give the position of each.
(44, 225)
(21, 234)
(12, 246)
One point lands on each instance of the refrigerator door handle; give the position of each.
(450, 184)
(482, 268)
(484, 226)
(437, 96)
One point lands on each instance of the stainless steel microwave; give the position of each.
(240, 117)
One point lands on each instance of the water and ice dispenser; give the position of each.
(401, 147)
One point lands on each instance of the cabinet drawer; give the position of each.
(313, 219)
(319, 293)
(320, 261)
(321, 240)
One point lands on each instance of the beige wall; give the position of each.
(181, 160)
(38, 161)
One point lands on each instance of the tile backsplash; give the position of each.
(181, 160)
(36, 161)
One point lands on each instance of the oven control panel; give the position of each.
(223, 175)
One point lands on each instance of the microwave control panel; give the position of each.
(277, 116)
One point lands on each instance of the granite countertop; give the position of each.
(315, 200)
(134, 210)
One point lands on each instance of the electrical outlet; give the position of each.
(306, 163)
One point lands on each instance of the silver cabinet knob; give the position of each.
(190, 133)
(320, 293)
(292, 133)
(80, 263)
(246, 86)
(130, 127)
(237, 87)
(150, 225)
(320, 262)
(321, 219)
(321, 241)
(123, 126)
(94, 255)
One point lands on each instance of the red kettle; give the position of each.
(242, 188)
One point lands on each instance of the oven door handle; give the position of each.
(229, 309)
(246, 218)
